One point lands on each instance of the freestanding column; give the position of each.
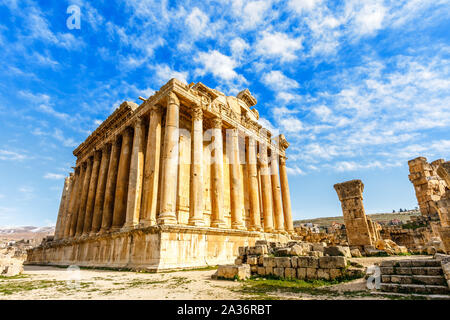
(217, 174)
(69, 209)
(76, 198)
(91, 195)
(288, 224)
(136, 176)
(108, 205)
(266, 189)
(84, 197)
(120, 201)
(237, 205)
(101, 186)
(196, 187)
(61, 211)
(276, 193)
(169, 178)
(255, 216)
(151, 168)
(66, 214)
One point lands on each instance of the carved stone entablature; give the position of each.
(256, 113)
(208, 95)
(247, 97)
(349, 189)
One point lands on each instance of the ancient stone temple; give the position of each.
(181, 180)
(443, 206)
(361, 230)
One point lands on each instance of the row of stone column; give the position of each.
(117, 187)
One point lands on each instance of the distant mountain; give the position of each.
(25, 232)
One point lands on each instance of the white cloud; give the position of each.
(294, 171)
(277, 81)
(164, 73)
(11, 155)
(54, 176)
(218, 64)
(238, 46)
(300, 6)
(278, 45)
(370, 18)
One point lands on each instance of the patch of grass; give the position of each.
(12, 287)
(19, 276)
(193, 269)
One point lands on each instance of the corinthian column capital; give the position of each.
(197, 113)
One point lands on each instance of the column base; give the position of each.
(115, 229)
(129, 227)
(147, 223)
(255, 228)
(167, 218)
(103, 231)
(196, 222)
(218, 224)
(268, 230)
(238, 226)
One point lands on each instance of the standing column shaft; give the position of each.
(91, 195)
(66, 216)
(120, 203)
(276, 193)
(71, 219)
(84, 197)
(76, 210)
(266, 189)
(101, 188)
(60, 218)
(108, 205)
(136, 175)
(255, 215)
(196, 181)
(151, 169)
(169, 179)
(237, 205)
(289, 226)
(217, 175)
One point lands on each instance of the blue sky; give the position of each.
(358, 87)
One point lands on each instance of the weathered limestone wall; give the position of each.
(443, 206)
(357, 225)
(153, 249)
(429, 187)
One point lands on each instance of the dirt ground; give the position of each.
(39, 282)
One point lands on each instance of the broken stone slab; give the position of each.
(355, 253)
(282, 252)
(240, 272)
(338, 251)
(333, 262)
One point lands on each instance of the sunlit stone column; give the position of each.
(92, 191)
(169, 178)
(121, 195)
(101, 188)
(66, 214)
(218, 220)
(76, 200)
(136, 175)
(255, 215)
(289, 226)
(196, 181)
(276, 193)
(61, 211)
(111, 181)
(151, 168)
(266, 189)
(84, 197)
(237, 205)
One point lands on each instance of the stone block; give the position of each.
(269, 262)
(318, 247)
(283, 252)
(278, 272)
(355, 253)
(261, 243)
(238, 261)
(261, 260)
(269, 271)
(253, 268)
(294, 262)
(283, 262)
(290, 273)
(242, 251)
(301, 273)
(316, 254)
(296, 250)
(323, 274)
(335, 273)
(240, 272)
(307, 262)
(261, 271)
(338, 251)
(333, 262)
(252, 260)
(311, 273)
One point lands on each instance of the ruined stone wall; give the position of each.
(429, 187)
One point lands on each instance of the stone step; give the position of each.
(411, 263)
(413, 288)
(425, 296)
(425, 271)
(414, 279)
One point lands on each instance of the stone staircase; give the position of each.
(413, 277)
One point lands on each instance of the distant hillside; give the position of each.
(379, 217)
(26, 232)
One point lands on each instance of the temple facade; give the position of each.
(181, 180)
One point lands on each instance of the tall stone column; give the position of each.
(237, 205)
(121, 195)
(151, 168)
(66, 213)
(276, 193)
(350, 195)
(217, 174)
(196, 181)
(169, 178)
(61, 211)
(111, 182)
(287, 211)
(91, 195)
(136, 176)
(84, 197)
(266, 189)
(255, 215)
(75, 200)
(101, 188)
